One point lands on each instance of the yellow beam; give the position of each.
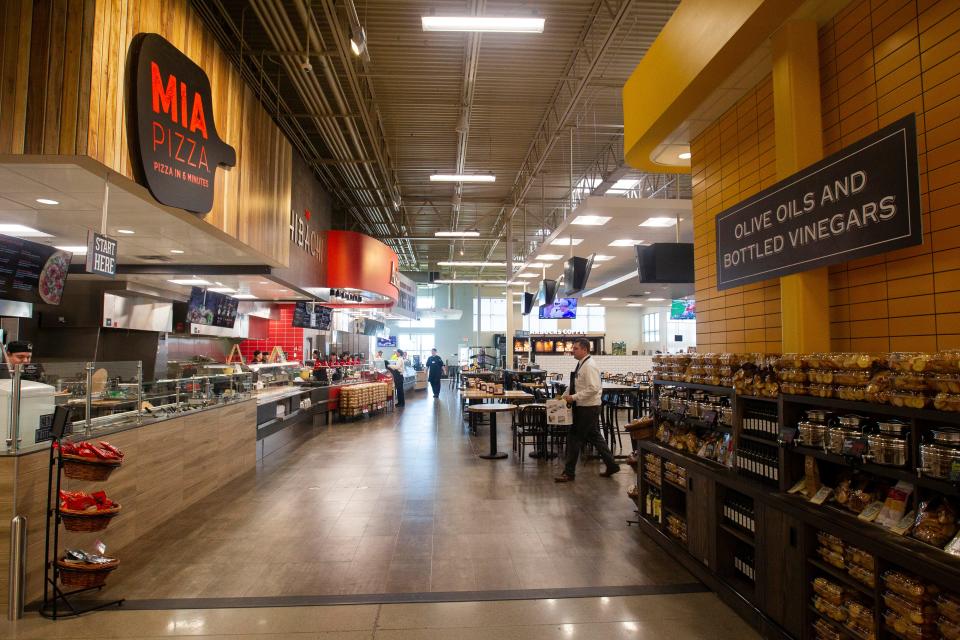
(798, 131)
(700, 46)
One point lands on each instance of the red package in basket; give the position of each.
(112, 452)
(76, 500)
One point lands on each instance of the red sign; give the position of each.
(173, 135)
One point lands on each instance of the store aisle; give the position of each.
(642, 617)
(397, 504)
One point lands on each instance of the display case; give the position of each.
(104, 397)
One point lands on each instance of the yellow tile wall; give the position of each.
(879, 61)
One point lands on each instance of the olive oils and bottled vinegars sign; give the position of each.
(857, 202)
(172, 132)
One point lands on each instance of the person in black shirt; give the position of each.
(435, 371)
(21, 352)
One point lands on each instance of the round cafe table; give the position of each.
(493, 408)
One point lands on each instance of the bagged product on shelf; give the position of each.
(811, 476)
(80, 501)
(936, 522)
(895, 506)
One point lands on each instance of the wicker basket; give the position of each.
(80, 468)
(84, 574)
(87, 520)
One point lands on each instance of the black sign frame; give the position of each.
(172, 133)
(102, 255)
(890, 154)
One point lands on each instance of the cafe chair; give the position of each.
(531, 430)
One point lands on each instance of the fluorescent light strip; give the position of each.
(634, 304)
(614, 282)
(222, 290)
(470, 263)
(47, 201)
(22, 231)
(601, 258)
(244, 296)
(77, 250)
(626, 242)
(192, 282)
(500, 282)
(566, 242)
(549, 256)
(656, 299)
(463, 177)
(658, 222)
(457, 234)
(489, 24)
(591, 221)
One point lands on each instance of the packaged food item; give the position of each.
(793, 375)
(857, 360)
(910, 399)
(910, 361)
(936, 522)
(832, 558)
(831, 542)
(944, 382)
(946, 402)
(895, 506)
(861, 495)
(856, 394)
(947, 361)
(862, 576)
(908, 586)
(860, 631)
(860, 558)
(906, 629)
(922, 613)
(910, 381)
(821, 390)
(852, 378)
(948, 604)
(820, 376)
(830, 610)
(829, 591)
(949, 629)
(794, 389)
(823, 630)
(858, 613)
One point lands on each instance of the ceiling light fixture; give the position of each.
(189, 282)
(126, 232)
(565, 242)
(489, 24)
(244, 296)
(470, 263)
(602, 258)
(655, 299)
(658, 222)
(591, 221)
(540, 265)
(358, 41)
(609, 299)
(624, 242)
(526, 275)
(684, 156)
(457, 234)
(78, 250)
(178, 251)
(221, 289)
(47, 201)
(463, 177)
(22, 231)
(593, 304)
(517, 284)
(499, 282)
(549, 256)
(634, 304)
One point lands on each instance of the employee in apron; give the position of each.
(584, 394)
(434, 372)
(397, 369)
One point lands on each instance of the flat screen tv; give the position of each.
(528, 300)
(547, 292)
(32, 272)
(683, 310)
(576, 272)
(387, 342)
(211, 309)
(561, 309)
(665, 263)
(308, 315)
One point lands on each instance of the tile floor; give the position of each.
(679, 617)
(401, 504)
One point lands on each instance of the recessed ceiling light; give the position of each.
(244, 296)
(624, 242)
(540, 265)
(221, 289)
(264, 282)
(601, 258)
(175, 251)
(526, 275)
(684, 156)
(593, 304)
(127, 232)
(655, 299)
(457, 234)
(22, 231)
(47, 201)
(591, 221)
(646, 293)
(482, 23)
(634, 304)
(658, 222)
(190, 282)
(609, 299)
(549, 256)
(78, 249)
(566, 242)
(463, 177)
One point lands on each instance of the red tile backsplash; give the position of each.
(280, 333)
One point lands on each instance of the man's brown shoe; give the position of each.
(563, 478)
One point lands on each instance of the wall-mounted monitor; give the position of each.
(665, 263)
(576, 272)
(308, 315)
(683, 310)
(211, 309)
(528, 300)
(385, 343)
(547, 292)
(32, 272)
(561, 309)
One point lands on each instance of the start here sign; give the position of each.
(859, 201)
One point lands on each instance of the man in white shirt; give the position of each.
(584, 393)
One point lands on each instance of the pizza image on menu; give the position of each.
(52, 277)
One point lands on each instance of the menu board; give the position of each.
(316, 317)
(32, 272)
(211, 308)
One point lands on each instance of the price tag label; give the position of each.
(822, 495)
(905, 524)
(855, 447)
(797, 488)
(710, 416)
(788, 435)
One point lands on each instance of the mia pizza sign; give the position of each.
(172, 132)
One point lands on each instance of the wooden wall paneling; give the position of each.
(17, 17)
(38, 64)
